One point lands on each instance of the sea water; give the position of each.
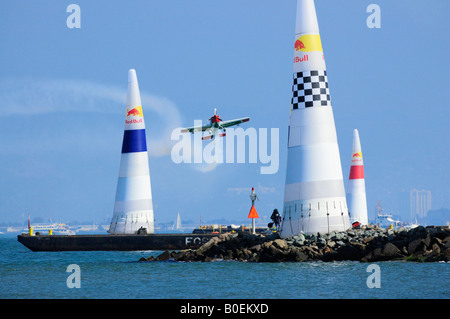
(109, 275)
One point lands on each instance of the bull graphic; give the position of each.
(134, 112)
(299, 45)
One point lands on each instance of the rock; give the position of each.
(447, 244)
(436, 240)
(420, 251)
(223, 236)
(164, 256)
(255, 248)
(245, 254)
(340, 243)
(202, 249)
(299, 243)
(373, 255)
(339, 236)
(281, 244)
(435, 247)
(321, 236)
(414, 245)
(267, 244)
(427, 240)
(446, 254)
(432, 231)
(367, 233)
(321, 242)
(331, 255)
(299, 256)
(331, 235)
(349, 252)
(272, 236)
(418, 232)
(434, 254)
(360, 246)
(308, 251)
(228, 254)
(275, 250)
(404, 250)
(331, 243)
(270, 253)
(430, 256)
(422, 244)
(390, 251)
(400, 243)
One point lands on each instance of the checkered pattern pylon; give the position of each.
(310, 89)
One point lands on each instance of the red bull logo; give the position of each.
(357, 158)
(137, 111)
(298, 59)
(308, 43)
(357, 155)
(299, 45)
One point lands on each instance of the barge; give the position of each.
(109, 242)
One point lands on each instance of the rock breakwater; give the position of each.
(428, 244)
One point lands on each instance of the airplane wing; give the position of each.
(196, 128)
(234, 122)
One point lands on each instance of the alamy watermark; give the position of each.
(232, 148)
(374, 279)
(374, 19)
(74, 279)
(74, 19)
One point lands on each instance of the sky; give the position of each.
(63, 92)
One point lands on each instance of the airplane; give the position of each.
(216, 124)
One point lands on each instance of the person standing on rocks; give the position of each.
(276, 217)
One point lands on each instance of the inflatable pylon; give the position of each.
(314, 195)
(356, 188)
(133, 208)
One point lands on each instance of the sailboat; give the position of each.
(177, 224)
(413, 224)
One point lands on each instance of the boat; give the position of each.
(383, 220)
(53, 228)
(412, 225)
(177, 225)
(110, 242)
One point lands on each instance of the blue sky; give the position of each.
(62, 99)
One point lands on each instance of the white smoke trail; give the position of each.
(26, 96)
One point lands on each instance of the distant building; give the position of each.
(404, 205)
(420, 203)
